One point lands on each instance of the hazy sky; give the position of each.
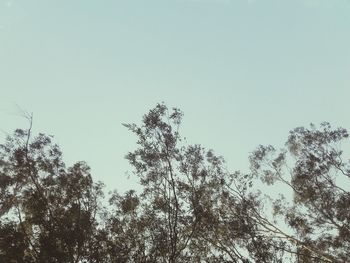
(245, 72)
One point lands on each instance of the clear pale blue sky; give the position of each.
(245, 72)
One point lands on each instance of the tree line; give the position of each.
(191, 207)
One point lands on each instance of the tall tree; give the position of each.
(48, 213)
(311, 166)
(190, 208)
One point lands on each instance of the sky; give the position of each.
(244, 72)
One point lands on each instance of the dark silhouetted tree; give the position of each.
(312, 167)
(48, 213)
(190, 207)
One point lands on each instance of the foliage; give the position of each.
(48, 212)
(190, 208)
(313, 168)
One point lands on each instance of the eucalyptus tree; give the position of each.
(189, 208)
(192, 208)
(48, 213)
(317, 213)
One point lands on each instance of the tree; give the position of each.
(190, 208)
(312, 167)
(48, 213)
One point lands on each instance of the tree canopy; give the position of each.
(191, 207)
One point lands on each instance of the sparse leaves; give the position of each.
(190, 207)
